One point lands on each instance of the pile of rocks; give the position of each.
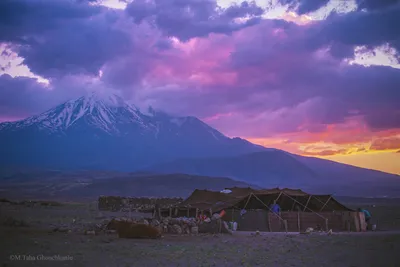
(178, 226)
(115, 203)
(168, 225)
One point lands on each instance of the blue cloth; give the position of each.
(275, 208)
(366, 214)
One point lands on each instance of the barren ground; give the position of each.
(241, 249)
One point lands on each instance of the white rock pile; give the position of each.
(178, 226)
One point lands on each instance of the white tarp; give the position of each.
(226, 191)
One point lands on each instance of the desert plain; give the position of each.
(36, 235)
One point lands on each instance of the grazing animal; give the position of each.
(136, 230)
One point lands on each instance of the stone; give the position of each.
(155, 223)
(185, 229)
(194, 230)
(90, 232)
(309, 230)
(174, 221)
(176, 229)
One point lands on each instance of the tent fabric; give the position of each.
(245, 198)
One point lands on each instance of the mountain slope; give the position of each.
(87, 185)
(270, 168)
(104, 132)
(279, 168)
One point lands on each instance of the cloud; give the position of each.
(62, 37)
(304, 6)
(21, 97)
(369, 29)
(195, 18)
(325, 152)
(262, 76)
(22, 18)
(375, 5)
(386, 143)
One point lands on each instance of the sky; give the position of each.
(313, 77)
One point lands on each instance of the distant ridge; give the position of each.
(103, 131)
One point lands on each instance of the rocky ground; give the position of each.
(32, 239)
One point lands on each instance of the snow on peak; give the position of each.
(109, 99)
(111, 114)
(103, 111)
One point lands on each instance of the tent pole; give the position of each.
(267, 207)
(293, 205)
(247, 202)
(276, 200)
(305, 207)
(320, 201)
(326, 203)
(298, 221)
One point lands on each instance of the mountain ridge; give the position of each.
(106, 133)
(277, 168)
(90, 132)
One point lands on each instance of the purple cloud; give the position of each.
(260, 78)
(358, 28)
(195, 18)
(22, 18)
(56, 38)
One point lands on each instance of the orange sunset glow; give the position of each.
(381, 153)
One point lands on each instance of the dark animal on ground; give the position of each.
(136, 230)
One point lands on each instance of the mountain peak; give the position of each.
(109, 99)
(97, 109)
(99, 129)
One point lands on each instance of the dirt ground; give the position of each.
(35, 244)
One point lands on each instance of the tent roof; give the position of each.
(206, 199)
(240, 191)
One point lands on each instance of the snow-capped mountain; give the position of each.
(106, 113)
(103, 131)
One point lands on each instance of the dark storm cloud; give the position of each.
(81, 47)
(20, 18)
(18, 96)
(61, 37)
(356, 28)
(195, 18)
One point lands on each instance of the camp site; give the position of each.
(235, 226)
